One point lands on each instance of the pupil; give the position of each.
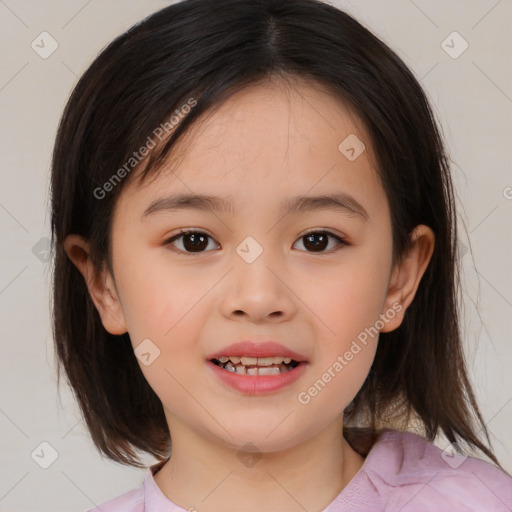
(197, 237)
(318, 245)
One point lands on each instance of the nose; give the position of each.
(259, 291)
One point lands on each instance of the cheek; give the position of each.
(155, 296)
(164, 306)
(348, 298)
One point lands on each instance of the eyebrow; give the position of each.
(339, 202)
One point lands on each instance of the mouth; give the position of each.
(256, 366)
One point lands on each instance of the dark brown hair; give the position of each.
(208, 50)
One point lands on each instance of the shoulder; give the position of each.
(131, 501)
(410, 474)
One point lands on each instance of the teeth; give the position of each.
(246, 361)
(241, 369)
(269, 371)
(255, 361)
(266, 361)
(255, 365)
(254, 370)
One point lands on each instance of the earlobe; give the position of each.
(100, 285)
(406, 276)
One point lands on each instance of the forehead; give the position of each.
(273, 138)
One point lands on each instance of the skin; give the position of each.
(264, 144)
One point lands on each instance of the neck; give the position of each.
(211, 476)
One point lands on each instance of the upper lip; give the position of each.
(257, 349)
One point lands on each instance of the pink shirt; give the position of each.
(402, 472)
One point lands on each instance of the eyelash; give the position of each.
(342, 241)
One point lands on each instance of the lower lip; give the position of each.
(257, 384)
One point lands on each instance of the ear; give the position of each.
(100, 284)
(407, 275)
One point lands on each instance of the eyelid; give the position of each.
(329, 231)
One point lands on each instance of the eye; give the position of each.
(318, 240)
(197, 241)
(193, 241)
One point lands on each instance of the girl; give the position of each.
(255, 273)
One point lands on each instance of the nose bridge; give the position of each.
(256, 288)
(254, 261)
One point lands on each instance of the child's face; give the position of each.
(264, 146)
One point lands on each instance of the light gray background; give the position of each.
(471, 95)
